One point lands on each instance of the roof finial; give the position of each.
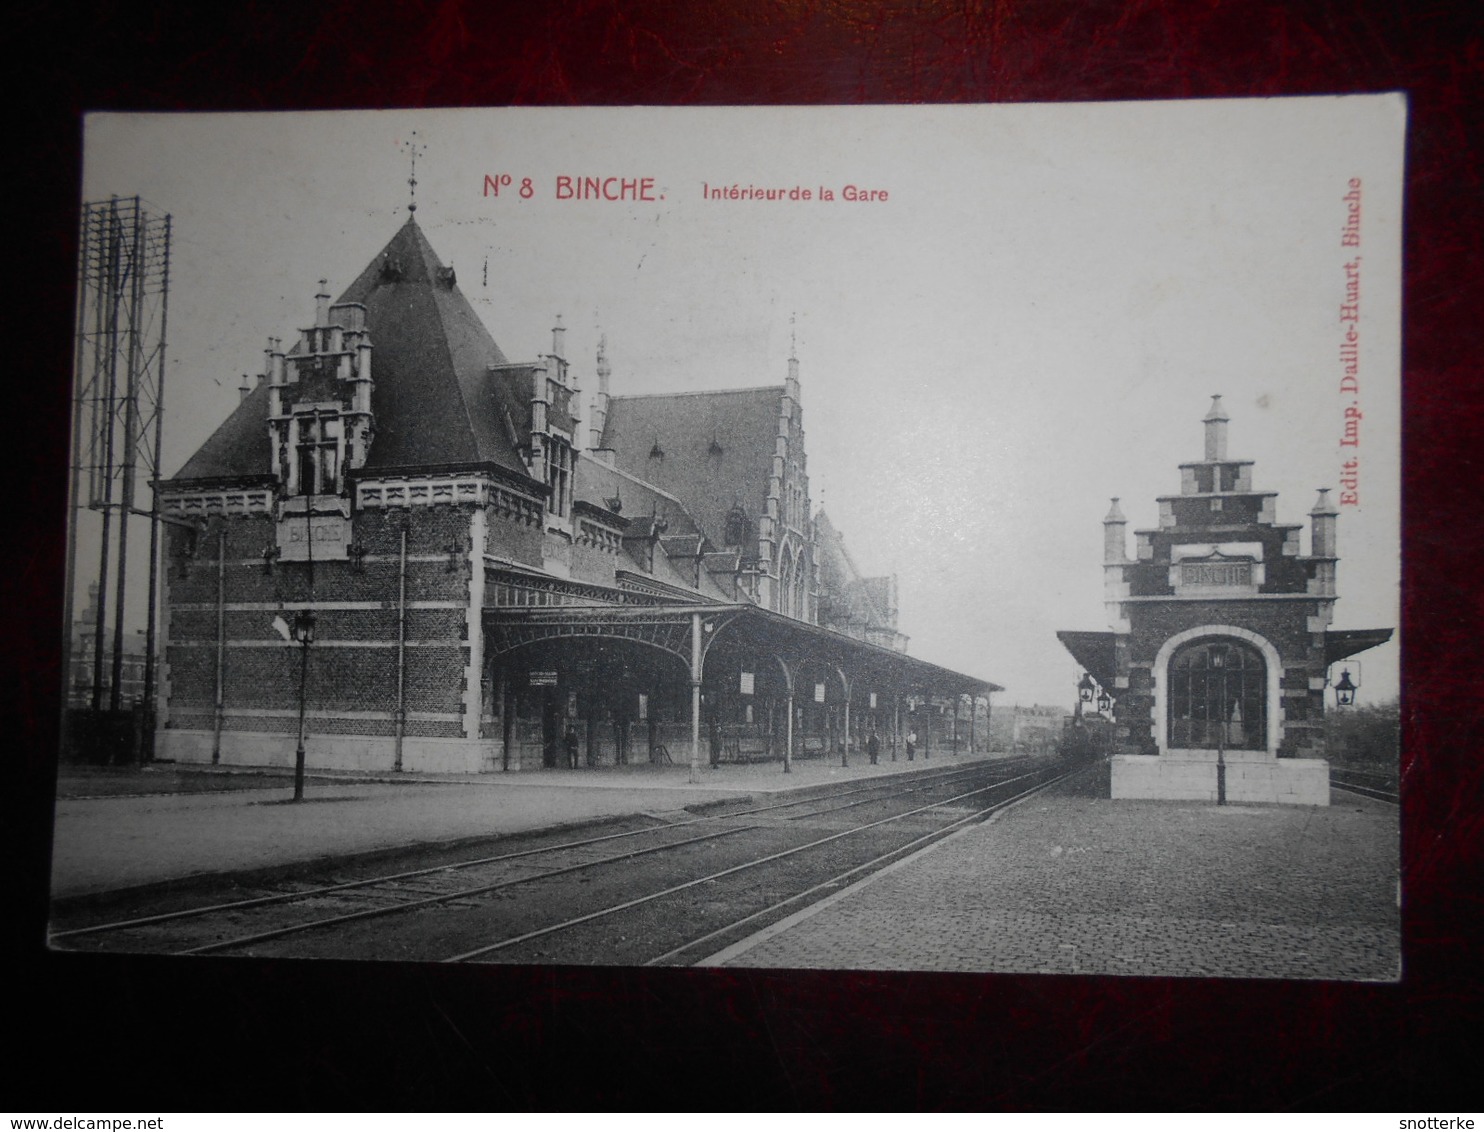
(411, 146)
(793, 343)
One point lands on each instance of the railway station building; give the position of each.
(420, 545)
(1219, 646)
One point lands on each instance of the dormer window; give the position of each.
(560, 463)
(736, 532)
(319, 455)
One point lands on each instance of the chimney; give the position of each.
(277, 376)
(243, 390)
(1323, 519)
(1216, 430)
(322, 304)
(1115, 546)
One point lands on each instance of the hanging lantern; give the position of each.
(1105, 701)
(304, 626)
(1345, 690)
(1086, 689)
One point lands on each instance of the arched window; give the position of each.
(1218, 696)
(785, 582)
(801, 589)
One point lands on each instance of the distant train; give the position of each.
(1087, 737)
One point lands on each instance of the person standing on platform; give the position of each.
(873, 748)
(570, 741)
(911, 745)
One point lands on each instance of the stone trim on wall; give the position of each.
(183, 504)
(429, 491)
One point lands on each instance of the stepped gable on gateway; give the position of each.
(1220, 639)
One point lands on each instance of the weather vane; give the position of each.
(412, 149)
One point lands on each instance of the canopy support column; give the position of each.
(845, 748)
(695, 697)
(896, 723)
(788, 724)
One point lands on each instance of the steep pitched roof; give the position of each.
(434, 403)
(711, 451)
(859, 598)
(650, 512)
(433, 400)
(636, 500)
(238, 448)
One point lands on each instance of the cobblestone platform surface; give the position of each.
(1070, 882)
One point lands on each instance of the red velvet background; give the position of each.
(119, 1034)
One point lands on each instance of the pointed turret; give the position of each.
(600, 400)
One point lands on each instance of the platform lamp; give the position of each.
(1105, 702)
(1086, 692)
(303, 632)
(1345, 690)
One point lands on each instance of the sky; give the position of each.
(1031, 320)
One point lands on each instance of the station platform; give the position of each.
(1071, 882)
(107, 837)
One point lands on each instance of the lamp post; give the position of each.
(303, 630)
(1218, 661)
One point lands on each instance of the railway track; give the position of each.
(1368, 784)
(669, 891)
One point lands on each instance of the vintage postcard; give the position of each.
(907, 538)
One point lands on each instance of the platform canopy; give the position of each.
(1340, 643)
(674, 628)
(1094, 652)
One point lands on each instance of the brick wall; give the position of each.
(353, 663)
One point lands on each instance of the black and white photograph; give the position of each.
(890, 538)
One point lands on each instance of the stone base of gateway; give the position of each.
(1250, 777)
(331, 752)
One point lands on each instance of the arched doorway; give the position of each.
(1218, 689)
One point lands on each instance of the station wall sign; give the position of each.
(330, 538)
(543, 678)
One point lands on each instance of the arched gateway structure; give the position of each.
(1220, 640)
(487, 592)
